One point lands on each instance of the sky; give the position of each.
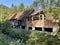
(8, 3)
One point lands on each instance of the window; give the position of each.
(41, 17)
(48, 29)
(30, 28)
(38, 28)
(36, 17)
(29, 18)
(19, 22)
(23, 27)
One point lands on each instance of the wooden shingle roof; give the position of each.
(26, 13)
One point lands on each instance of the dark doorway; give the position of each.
(19, 23)
(48, 29)
(23, 27)
(38, 28)
(30, 28)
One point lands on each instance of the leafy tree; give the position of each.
(21, 7)
(42, 3)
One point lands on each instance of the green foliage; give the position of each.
(21, 7)
(6, 27)
(23, 35)
(3, 41)
(16, 43)
(29, 37)
(36, 38)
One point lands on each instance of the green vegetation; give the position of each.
(3, 41)
(29, 37)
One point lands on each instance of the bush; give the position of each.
(16, 43)
(4, 41)
(35, 38)
(23, 35)
(6, 27)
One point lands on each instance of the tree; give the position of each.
(47, 3)
(42, 3)
(15, 9)
(52, 2)
(57, 3)
(21, 7)
(12, 9)
(35, 4)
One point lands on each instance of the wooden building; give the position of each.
(34, 20)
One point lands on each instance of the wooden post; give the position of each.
(43, 22)
(39, 16)
(32, 18)
(20, 26)
(26, 24)
(33, 28)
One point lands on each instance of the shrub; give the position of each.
(23, 35)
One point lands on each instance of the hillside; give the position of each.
(16, 36)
